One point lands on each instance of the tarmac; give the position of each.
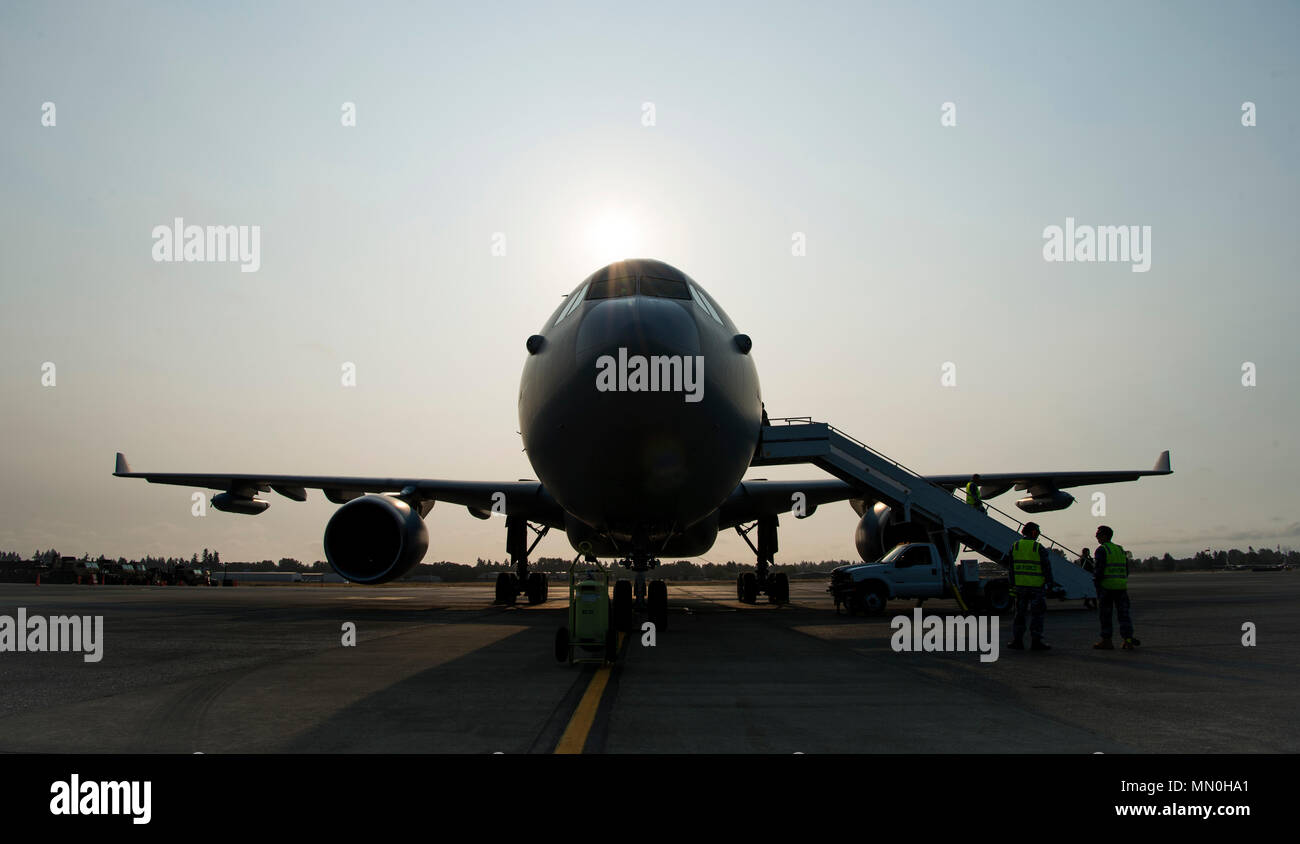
(438, 669)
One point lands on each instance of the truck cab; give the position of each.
(913, 568)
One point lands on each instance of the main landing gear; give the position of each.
(750, 584)
(510, 585)
(629, 596)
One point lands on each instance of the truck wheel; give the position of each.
(998, 598)
(748, 588)
(873, 599)
(562, 645)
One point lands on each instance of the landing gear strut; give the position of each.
(510, 585)
(776, 585)
(650, 595)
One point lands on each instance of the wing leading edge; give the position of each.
(753, 499)
(528, 498)
(995, 484)
(750, 500)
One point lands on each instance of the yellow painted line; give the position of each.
(575, 734)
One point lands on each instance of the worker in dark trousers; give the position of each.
(1110, 574)
(973, 497)
(1031, 579)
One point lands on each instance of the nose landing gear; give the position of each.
(639, 594)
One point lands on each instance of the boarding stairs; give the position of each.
(801, 440)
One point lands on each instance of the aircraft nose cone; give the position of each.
(652, 422)
(642, 325)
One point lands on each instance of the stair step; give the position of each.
(909, 493)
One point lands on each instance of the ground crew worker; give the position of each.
(973, 493)
(1031, 579)
(1110, 574)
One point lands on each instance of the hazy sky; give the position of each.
(924, 245)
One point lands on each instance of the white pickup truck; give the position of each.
(916, 570)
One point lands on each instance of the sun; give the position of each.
(614, 234)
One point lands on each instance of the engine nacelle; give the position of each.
(375, 539)
(1046, 502)
(878, 531)
(228, 502)
(867, 537)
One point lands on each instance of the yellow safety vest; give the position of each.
(1026, 563)
(1114, 573)
(972, 493)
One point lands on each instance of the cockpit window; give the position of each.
(612, 288)
(571, 305)
(668, 288)
(704, 303)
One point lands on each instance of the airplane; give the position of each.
(640, 412)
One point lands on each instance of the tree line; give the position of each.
(484, 569)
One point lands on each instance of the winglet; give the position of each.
(123, 468)
(1162, 463)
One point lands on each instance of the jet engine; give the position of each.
(878, 531)
(1045, 501)
(375, 539)
(228, 502)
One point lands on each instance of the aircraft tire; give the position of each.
(657, 604)
(536, 587)
(622, 609)
(779, 591)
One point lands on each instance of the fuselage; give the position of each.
(640, 410)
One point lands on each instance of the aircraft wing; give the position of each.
(768, 498)
(997, 483)
(520, 497)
